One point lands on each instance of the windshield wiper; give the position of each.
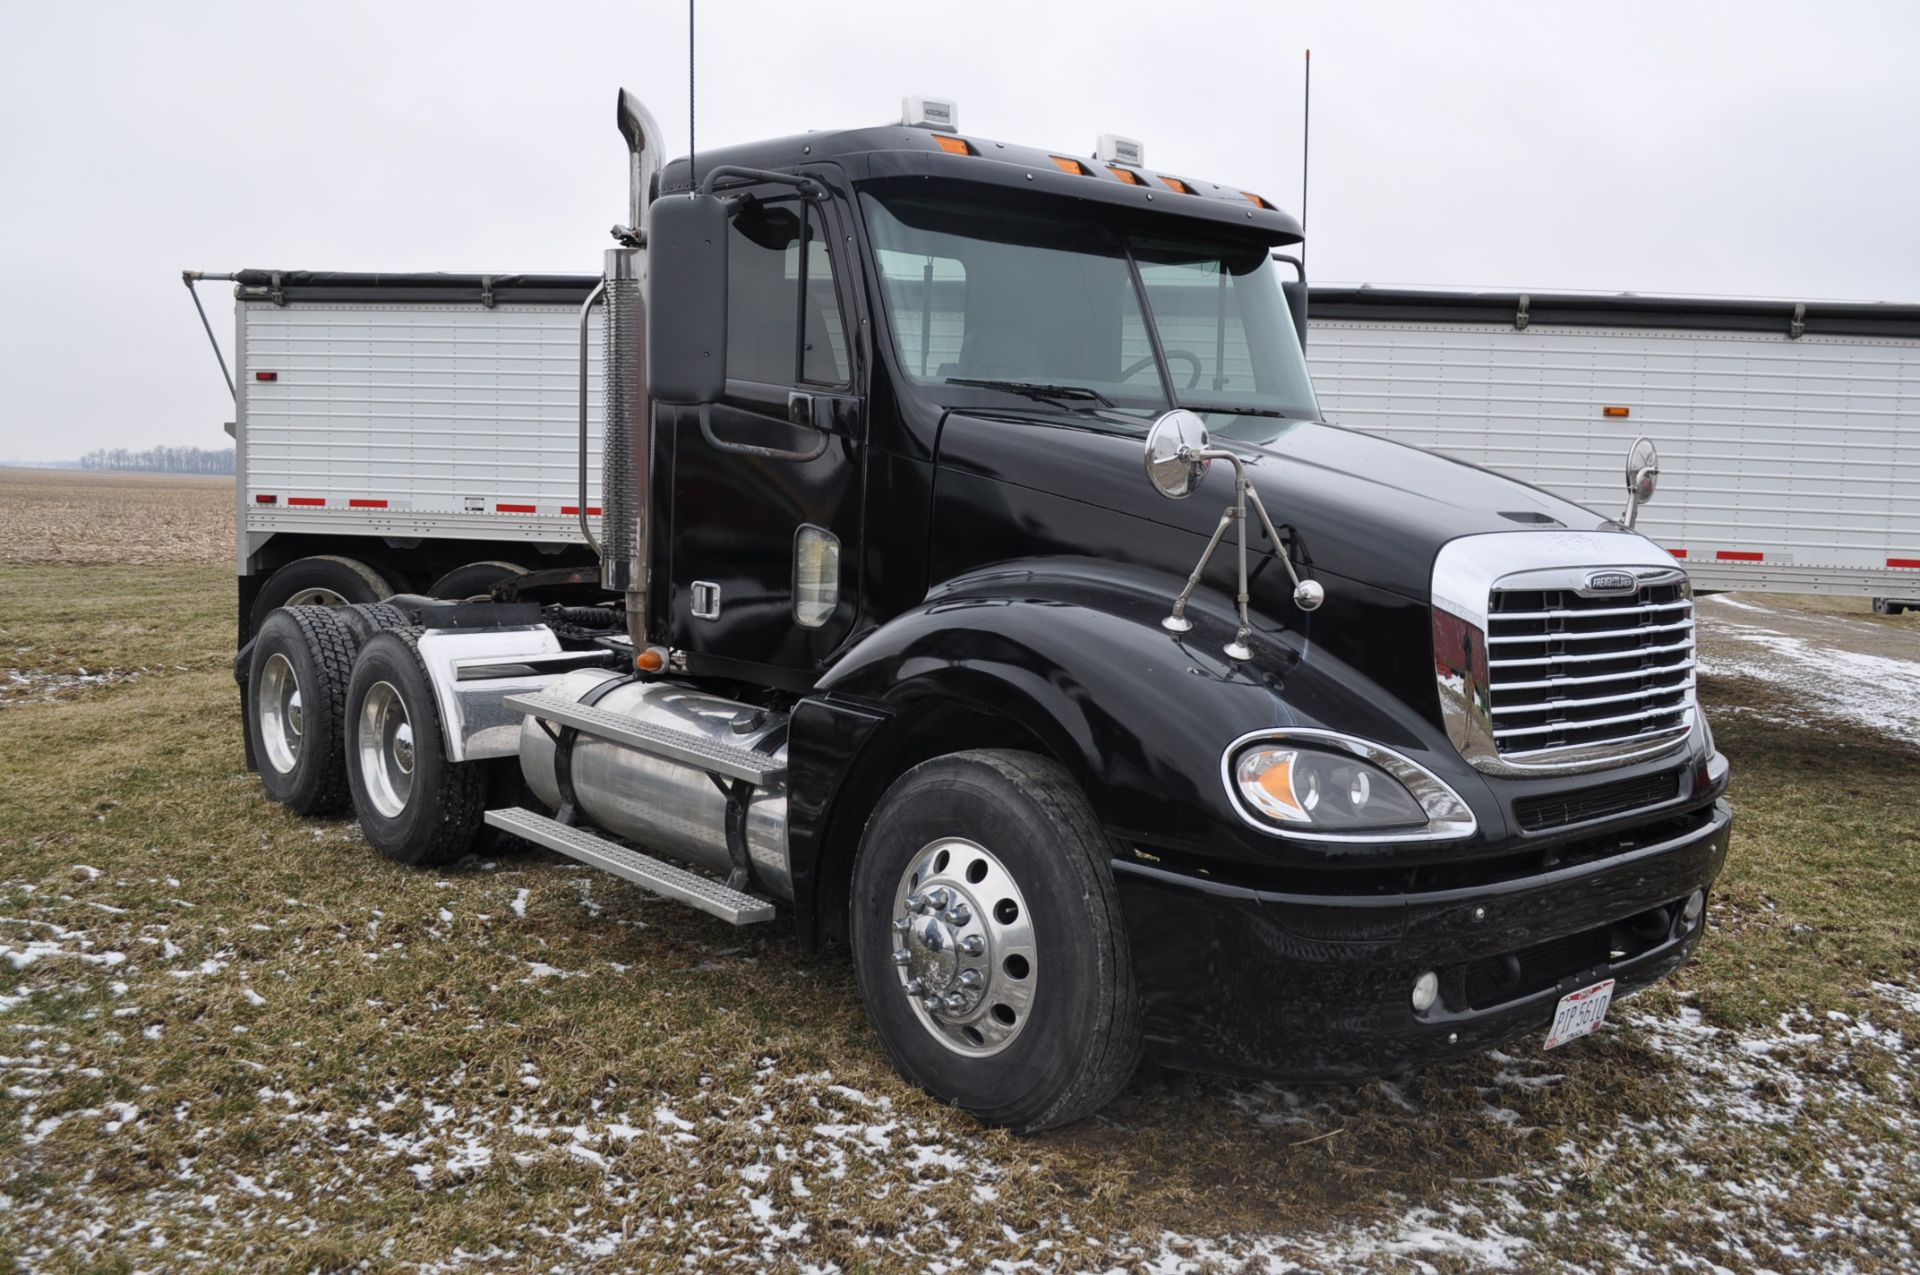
(1241, 411)
(1034, 389)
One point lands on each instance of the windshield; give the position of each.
(1062, 311)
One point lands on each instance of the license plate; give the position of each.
(1579, 1013)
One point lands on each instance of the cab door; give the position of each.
(768, 482)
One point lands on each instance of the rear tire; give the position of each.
(476, 579)
(1023, 1010)
(325, 580)
(416, 806)
(297, 677)
(1882, 606)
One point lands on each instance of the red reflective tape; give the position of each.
(1678, 553)
(306, 500)
(264, 500)
(592, 510)
(516, 509)
(1739, 555)
(366, 504)
(1904, 562)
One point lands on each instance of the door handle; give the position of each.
(800, 410)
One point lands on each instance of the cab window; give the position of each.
(783, 311)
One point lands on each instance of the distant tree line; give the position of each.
(162, 460)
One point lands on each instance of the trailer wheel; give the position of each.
(325, 581)
(416, 805)
(474, 579)
(297, 677)
(988, 940)
(1886, 606)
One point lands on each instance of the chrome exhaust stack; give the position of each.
(627, 439)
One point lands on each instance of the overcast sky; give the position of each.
(1754, 149)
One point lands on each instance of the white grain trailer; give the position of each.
(1789, 432)
(410, 433)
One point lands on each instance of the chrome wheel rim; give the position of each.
(384, 739)
(315, 598)
(962, 944)
(282, 716)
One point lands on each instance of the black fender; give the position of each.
(1071, 652)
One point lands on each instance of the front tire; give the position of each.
(989, 943)
(416, 805)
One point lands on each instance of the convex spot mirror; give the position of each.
(1174, 464)
(687, 299)
(1643, 469)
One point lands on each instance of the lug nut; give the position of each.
(930, 1003)
(916, 903)
(969, 978)
(915, 987)
(972, 945)
(939, 897)
(902, 924)
(959, 914)
(903, 957)
(955, 1002)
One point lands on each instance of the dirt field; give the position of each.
(235, 1040)
(74, 516)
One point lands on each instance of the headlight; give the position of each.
(1324, 786)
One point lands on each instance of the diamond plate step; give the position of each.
(643, 870)
(656, 741)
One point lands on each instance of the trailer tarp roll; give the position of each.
(1617, 310)
(477, 289)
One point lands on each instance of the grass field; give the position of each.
(235, 1040)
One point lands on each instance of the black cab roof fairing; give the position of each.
(897, 151)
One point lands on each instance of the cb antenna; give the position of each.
(693, 177)
(1306, 141)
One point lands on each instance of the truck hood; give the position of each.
(1362, 507)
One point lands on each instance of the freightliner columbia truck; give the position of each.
(966, 571)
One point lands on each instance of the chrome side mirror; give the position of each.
(1176, 460)
(1643, 476)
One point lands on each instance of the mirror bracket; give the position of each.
(1179, 437)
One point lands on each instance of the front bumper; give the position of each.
(1317, 987)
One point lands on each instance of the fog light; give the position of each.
(1696, 904)
(1426, 990)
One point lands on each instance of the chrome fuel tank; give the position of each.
(661, 806)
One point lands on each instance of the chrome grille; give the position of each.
(1570, 670)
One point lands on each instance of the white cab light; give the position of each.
(1115, 149)
(937, 113)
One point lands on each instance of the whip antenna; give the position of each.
(1306, 141)
(692, 175)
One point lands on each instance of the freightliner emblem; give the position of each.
(1611, 582)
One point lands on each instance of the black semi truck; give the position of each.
(975, 581)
